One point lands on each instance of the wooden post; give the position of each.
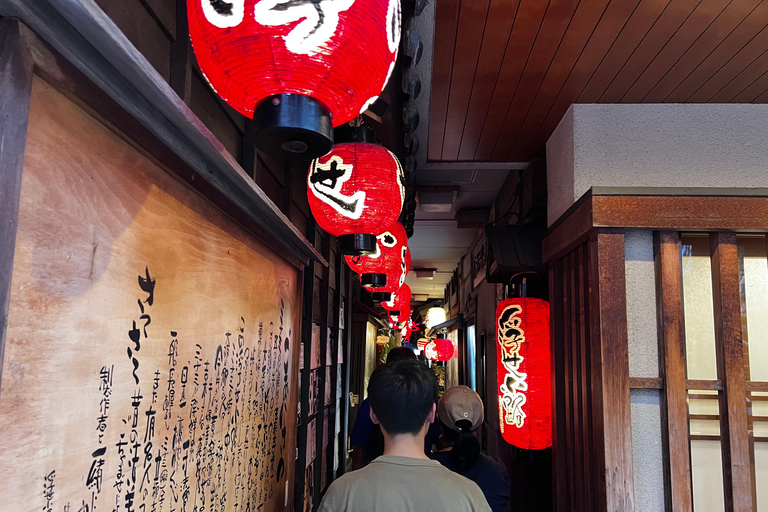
(559, 457)
(610, 364)
(737, 480)
(15, 89)
(677, 473)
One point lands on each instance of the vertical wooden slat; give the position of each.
(610, 362)
(567, 381)
(730, 369)
(582, 288)
(575, 382)
(674, 411)
(320, 441)
(306, 340)
(559, 469)
(15, 91)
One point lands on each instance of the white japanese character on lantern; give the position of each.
(320, 18)
(403, 266)
(325, 182)
(393, 25)
(223, 14)
(510, 338)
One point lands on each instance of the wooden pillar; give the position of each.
(669, 293)
(737, 480)
(15, 90)
(610, 376)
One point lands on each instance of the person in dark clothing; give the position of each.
(460, 414)
(367, 439)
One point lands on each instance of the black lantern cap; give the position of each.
(395, 312)
(381, 296)
(373, 280)
(292, 127)
(357, 244)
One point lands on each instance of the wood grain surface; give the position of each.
(151, 356)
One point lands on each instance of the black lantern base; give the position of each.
(373, 280)
(381, 296)
(394, 312)
(357, 244)
(292, 127)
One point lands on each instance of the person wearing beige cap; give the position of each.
(460, 413)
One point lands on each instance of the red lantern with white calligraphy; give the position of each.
(298, 67)
(523, 372)
(387, 259)
(441, 349)
(395, 279)
(356, 193)
(401, 300)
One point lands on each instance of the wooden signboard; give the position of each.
(149, 360)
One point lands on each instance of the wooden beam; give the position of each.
(645, 383)
(683, 212)
(16, 65)
(737, 479)
(610, 364)
(669, 291)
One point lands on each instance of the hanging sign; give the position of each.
(523, 372)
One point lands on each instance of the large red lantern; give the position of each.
(387, 258)
(401, 299)
(298, 67)
(523, 372)
(356, 193)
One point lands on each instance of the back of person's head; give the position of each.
(402, 394)
(398, 353)
(461, 413)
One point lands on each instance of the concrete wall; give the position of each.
(667, 145)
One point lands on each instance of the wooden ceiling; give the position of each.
(505, 71)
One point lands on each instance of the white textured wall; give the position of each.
(647, 455)
(641, 304)
(667, 145)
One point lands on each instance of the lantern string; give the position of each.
(525, 272)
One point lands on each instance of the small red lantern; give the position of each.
(298, 67)
(356, 193)
(523, 372)
(400, 320)
(373, 268)
(395, 279)
(401, 299)
(441, 349)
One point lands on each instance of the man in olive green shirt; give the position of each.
(402, 397)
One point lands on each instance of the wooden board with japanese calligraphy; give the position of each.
(150, 353)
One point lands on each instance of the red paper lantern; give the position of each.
(395, 279)
(356, 193)
(523, 372)
(401, 299)
(441, 349)
(298, 67)
(373, 268)
(400, 320)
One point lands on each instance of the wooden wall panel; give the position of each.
(140, 321)
(139, 26)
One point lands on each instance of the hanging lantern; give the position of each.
(395, 279)
(440, 349)
(373, 268)
(523, 372)
(401, 299)
(297, 67)
(356, 193)
(400, 320)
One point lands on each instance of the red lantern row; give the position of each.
(356, 193)
(297, 67)
(523, 372)
(386, 260)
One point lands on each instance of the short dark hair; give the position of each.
(401, 395)
(400, 353)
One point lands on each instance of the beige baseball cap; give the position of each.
(460, 403)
